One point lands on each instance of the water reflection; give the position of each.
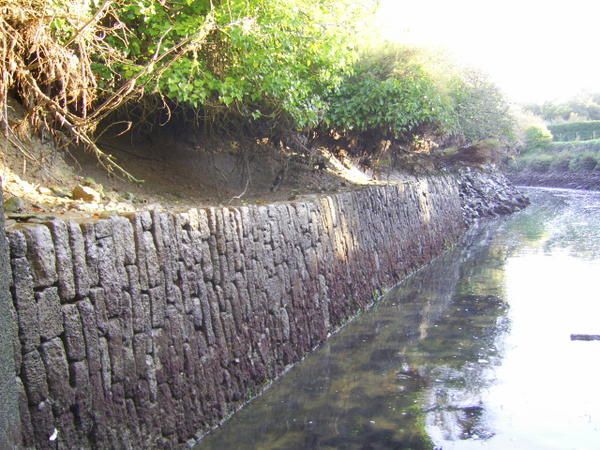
(471, 352)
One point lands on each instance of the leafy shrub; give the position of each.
(480, 109)
(537, 137)
(575, 146)
(583, 163)
(560, 163)
(543, 161)
(244, 58)
(387, 94)
(576, 131)
(272, 59)
(539, 163)
(582, 107)
(290, 64)
(394, 94)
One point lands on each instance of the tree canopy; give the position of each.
(583, 107)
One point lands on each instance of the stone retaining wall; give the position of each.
(141, 331)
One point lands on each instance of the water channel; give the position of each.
(472, 352)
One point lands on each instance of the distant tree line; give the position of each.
(583, 107)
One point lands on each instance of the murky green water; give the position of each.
(472, 352)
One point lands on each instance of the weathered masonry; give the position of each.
(141, 331)
(10, 431)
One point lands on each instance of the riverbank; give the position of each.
(579, 180)
(165, 323)
(167, 305)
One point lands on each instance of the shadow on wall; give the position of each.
(405, 224)
(10, 431)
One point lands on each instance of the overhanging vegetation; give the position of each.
(82, 69)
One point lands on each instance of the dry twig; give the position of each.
(55, 80)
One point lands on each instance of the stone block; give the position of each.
(64, 259)
(98, 299)
(34, 378)
(158, 306)
(109, 277)
(105, 365)
(115, 350)
(146, 220)
(57, 372)
(74, 338)
(41, 255)
(103, 229)
(123, 236)
(91, 252)
(151, 260)
(142, 347)
(17, 244)
(25, 304)
(80, 272)
(138, 234)
(142, 313)
(44, 423)
(25, 416)
(90, 334)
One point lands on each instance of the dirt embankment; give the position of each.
(175, 175)
(181, 171)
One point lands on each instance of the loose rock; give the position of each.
(85, 193)
(13, 204)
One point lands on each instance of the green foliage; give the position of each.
(406, 96)
(543, 161)
(576, 131)
(480, 109)
(389, 95)
(277, 64)
(537, 137)
(272, 58)
(584, 162)
(583, 107)
(560, 163)
(575, 146)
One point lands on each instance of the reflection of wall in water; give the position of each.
(477, 318)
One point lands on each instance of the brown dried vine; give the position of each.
(52, 75)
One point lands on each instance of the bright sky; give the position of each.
(535, 50)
